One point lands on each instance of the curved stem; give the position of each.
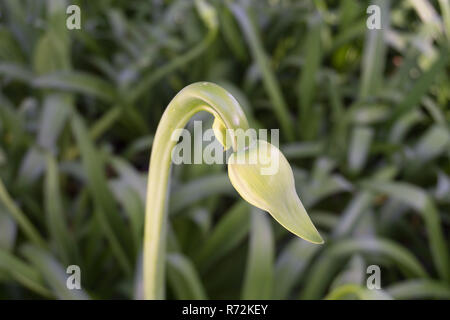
(201, 96)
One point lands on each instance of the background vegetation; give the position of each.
(364, 120)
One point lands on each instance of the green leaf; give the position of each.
(24, 274)
(17, 72)
(134, 208)
(419, 289)
(308, 78)
(403, 124)
(433, 143)
(8, 230)
(360, 203)
(420, 201)
(207, 13)
(229, 233)
(445, 8)
(231, 33)
(48, 45)
(56, 215)
(53, 273)
(366, 115)
(183, 278)
(354, 273)
(107, 213)
(291, 265)
(347, 291)
(298, 150)
(373, 62)
(259, 272)
(9, 48)
(25, 225)
(55, 113)
(323, 269)
(270, 81)
(421, 86)
(361, 140)
(77, 82)
(199, 189)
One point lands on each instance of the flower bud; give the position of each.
(263, 177)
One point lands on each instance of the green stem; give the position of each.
(445, 9)
(201, 96)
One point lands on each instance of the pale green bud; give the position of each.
(263, 177)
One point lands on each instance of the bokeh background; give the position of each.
(364, 121)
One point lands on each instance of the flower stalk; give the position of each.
(194, 98)
(273, 192)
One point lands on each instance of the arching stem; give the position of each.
(201, 96)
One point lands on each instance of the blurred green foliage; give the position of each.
(364, 117)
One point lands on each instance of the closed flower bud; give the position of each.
(263, 177)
